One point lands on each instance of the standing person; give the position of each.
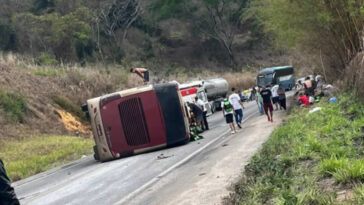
(259, 100)
(275, 97)
(197, 112)
(242, 96)
(7, 193)
(309, 90)
(238, 106)
(253, 93)
(228, 112)
(320, 82)
(267, 102)
(201, 104)
(282, 97)
(142, 72)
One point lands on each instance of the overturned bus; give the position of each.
(137, 120)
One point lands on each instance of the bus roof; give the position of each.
(272, 69)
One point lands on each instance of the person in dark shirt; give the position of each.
(267, 102)
(197, 112)
(7, 193)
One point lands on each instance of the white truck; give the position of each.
(211, 91)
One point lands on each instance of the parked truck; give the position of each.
(137, 120)
(216, 90)
(191, 90)
(211, 91)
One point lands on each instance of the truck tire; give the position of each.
(96, 154)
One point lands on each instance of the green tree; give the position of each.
(8, 40)
(330, 29)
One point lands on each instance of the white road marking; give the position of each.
(158, 177)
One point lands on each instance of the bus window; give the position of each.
(285, 78)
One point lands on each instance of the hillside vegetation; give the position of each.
(160, 34)
(315, 158)
(328, 32)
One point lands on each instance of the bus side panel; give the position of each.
(134, 122)
(172, 111)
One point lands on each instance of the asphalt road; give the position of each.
(132, 180)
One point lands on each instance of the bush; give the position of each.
(14, 106)
(297, 158)
(46, 59)
(68, 106)
(52, 72)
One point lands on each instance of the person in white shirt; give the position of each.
(275, 96)
(201, 104)
(238, 106)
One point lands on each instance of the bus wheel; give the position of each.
(96, 154)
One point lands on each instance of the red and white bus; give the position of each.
(137, 120)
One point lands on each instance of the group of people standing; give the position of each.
(233, 106)
(266, 98)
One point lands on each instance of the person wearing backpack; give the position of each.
(228, 112)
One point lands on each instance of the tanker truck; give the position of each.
(216, 90)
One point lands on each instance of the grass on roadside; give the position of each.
(37, 154)
(311, 159)
(48, 72)
(14, 105)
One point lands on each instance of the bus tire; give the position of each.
(96, 154)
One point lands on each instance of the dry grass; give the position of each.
(241, 81)
(40, 85)
(354, 76)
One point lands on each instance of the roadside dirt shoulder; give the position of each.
(211, 186)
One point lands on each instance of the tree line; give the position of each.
(329, 32)
(122, 30)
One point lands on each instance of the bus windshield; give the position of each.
(265, 79)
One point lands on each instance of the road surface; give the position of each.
(197, 173)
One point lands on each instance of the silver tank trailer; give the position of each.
(216, 90)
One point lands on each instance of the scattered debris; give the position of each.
(333, 100)
(344, 195)
(277, 157)
(315, 109)
(162, 156)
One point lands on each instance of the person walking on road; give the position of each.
(275, 97)
(267, 102)
(282, 97)
(259, 100)
(228, 112)
(238, 106)
(201, 104)
(141, 72)
(7, 193)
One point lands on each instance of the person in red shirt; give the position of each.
(303, 100)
